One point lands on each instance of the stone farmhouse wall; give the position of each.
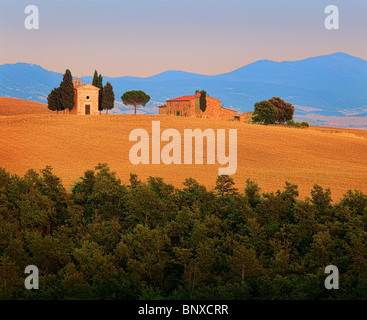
(189, 106)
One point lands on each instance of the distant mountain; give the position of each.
(321, 87)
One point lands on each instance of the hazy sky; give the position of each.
(146, 37)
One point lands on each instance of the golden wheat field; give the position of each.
(33, 137)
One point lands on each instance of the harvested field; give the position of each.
(269, 155)
(13, 107)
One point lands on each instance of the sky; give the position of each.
(146, 37)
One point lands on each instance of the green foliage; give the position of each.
(108, 97)
(265, 112)
(135, 98)
(252, 193)
(95, 79)
(297, 124)
(150, 240)
(285, 110)
(98, 82)
(53, 100)
(100, 93)
(60, 105)
(203, 100)
(62, 97)
(225, 185)
(67, 91)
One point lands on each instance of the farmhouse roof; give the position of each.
(185, 98)
(230, 110)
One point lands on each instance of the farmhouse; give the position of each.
(241, 117)
(189, 106)
(86, 98)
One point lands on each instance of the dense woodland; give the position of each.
(150, 240)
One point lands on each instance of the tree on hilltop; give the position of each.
(108, 97)
(265, 112)
(98, 82)
(95, 79)
(285, 110)
(100, 86)
(67, 91)
(60, 106)
(135, 98)
(52, 102)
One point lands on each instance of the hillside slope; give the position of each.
(12, 107)
(269, 155)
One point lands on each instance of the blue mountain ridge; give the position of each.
(330, 85)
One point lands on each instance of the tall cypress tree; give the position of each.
(59, 103)
(100, 86)
(52, 102)
(108, 97)
(95, 79)
(203, 100)
(67, 91)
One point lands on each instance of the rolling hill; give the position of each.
(13, 107)
(269, 155)
(326, 90)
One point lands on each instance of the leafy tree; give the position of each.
(143, 251)
(135, 98)
(265, 112)
(10, 279)
(245, 263)
(74, 284)
(108, 97)
(252, 193)
(67, 91)
(148, 240)
(285, 110)
(322, 202)
(225, 185)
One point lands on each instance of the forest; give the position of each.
(150, 240)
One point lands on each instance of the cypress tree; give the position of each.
(67, 91)
(100, 86)
(95, 79)
(59, 103)
(52, 102)
(108, 97)
(203, 100)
